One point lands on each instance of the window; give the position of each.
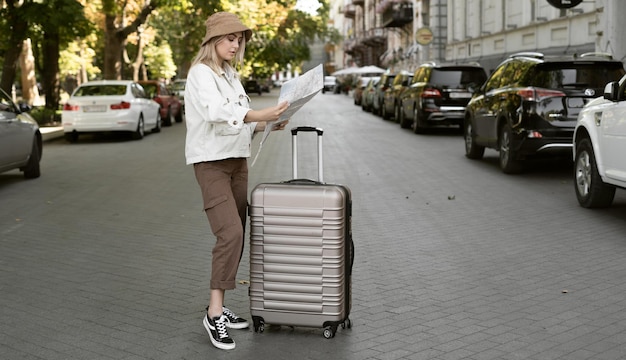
(100, 90)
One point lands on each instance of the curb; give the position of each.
(51, 133)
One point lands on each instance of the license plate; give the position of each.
(94, 108)
(576, 102)
(460, 95)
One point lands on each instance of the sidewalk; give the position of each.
(51, 132)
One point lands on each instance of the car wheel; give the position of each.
(591, 191)
(396, 113)
(508, 163)
(32, 170)
(472, 150)
(157, 127)
(403, 122)
(383, 111)
(417, 122)
(71, 136)
(168, 117)
(179, 116)
(140, 131)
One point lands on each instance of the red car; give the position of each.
(171, 106)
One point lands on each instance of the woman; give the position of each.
(220, 125)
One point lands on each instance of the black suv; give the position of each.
(529, 105)
(438, 95)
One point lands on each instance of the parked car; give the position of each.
(529, 105)
(110, 106)
(367, 98)
(438, 95)
(386, 80)
(178, 89)
(330, 82)
(599, 147)
(20, 139)
(392, 95)
(252, 86)
(359, 87)
(171, 106)
(266, 86)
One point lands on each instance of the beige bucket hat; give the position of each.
(224, 23)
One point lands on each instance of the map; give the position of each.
(296, 92)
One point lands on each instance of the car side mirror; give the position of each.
(25, 107)
(611, 91)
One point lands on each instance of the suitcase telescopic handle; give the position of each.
(294, 147)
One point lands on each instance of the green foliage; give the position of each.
(45, 116)
(282, 33)
(159, 61)
(77, 57)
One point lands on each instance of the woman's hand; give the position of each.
(280, 126)
(272, 113)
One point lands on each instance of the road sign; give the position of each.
(424, 36)
(564, 4)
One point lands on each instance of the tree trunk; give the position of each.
(50, 73)
(112, 50)
(30, 92)
(14, 47)
(115, 40)
(137, 64)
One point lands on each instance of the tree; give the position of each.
(117, 14)
(57, 32)
(282, 33)
(182, 27)
(15, 24)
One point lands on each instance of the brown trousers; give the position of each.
(224, 186)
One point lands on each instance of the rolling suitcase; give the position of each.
(301, 251)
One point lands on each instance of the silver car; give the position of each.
(20, 139)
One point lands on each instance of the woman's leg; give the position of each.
(223, 213)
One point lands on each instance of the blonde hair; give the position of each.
(208, 55)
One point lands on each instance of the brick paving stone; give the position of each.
(106, 256)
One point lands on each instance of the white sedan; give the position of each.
(107, 106)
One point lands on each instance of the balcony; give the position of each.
(349, 11)
(348, 46)
(375, 37)
(396, 14)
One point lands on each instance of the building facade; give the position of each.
(401, 34)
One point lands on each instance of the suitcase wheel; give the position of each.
(329, 332)
(259, 324)
(347, 324)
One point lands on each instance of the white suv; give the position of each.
(600, 147)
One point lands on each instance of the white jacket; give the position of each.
(215, 105)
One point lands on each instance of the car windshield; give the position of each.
(150, 89)
(100, 90)
(178, 85)
(591, 75)
(457, 77)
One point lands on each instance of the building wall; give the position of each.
(488, 31)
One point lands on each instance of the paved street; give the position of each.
(106, 256)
